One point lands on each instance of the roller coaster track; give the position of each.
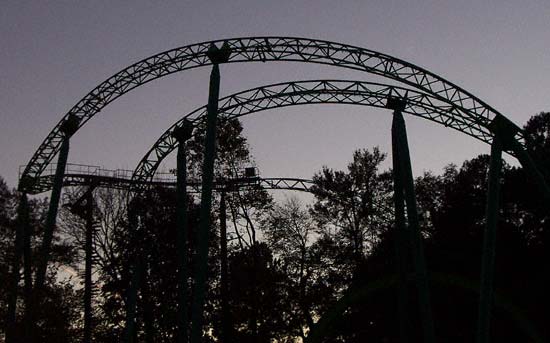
(95, 176)
(256, 49)
(316, 92)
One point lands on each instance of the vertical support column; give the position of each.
(401, 248)
(135, 269)
(22, 222)
(88, 267)
(224, 289)
(489, 243)
(182, 134)
(68, 128)
(131, 302)
(217, 56)
(399, 131)
(504, 132)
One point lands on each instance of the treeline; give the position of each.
(295, 269)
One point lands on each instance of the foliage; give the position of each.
(294, 269)
(56, 316)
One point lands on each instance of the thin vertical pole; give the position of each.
(182, 135)
(224, 289)
(489, 243)
(401, 249)
(22, 222)
(400, 133)
(206, 204)
(88, 267)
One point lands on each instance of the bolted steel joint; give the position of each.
(505, 130)
(183, 132)
(219, 55)
(396, 104)
(70, 125)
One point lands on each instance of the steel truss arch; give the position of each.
(255, 49)
(316, 92)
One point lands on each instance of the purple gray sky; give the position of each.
(54, 52)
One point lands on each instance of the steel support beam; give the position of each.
(131, 302)
(401, 248)
(217, 56)
(489, 243)
(182, 232)
(135, 270)
(51, 216)
(405, 173)
(504, 132)
(224, 289)
(68, 128)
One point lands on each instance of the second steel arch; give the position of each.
(317, 92)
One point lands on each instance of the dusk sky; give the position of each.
(54, 52)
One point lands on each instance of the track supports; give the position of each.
(134, 209)
(68, 128)
(504, 132)
(401, 247)
(217, 56)
(224, 289)
(182, 231)
(403, 170)
(86, 212)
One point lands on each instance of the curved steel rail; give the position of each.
(255, 49)
(315, 92)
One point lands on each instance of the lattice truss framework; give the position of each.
(119, 179)
(314, 92)
(258, 49)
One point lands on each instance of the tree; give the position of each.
(56, 317)
(351, 207)
(290, 232)
(257, 289)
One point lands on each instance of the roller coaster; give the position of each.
(422, 94)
